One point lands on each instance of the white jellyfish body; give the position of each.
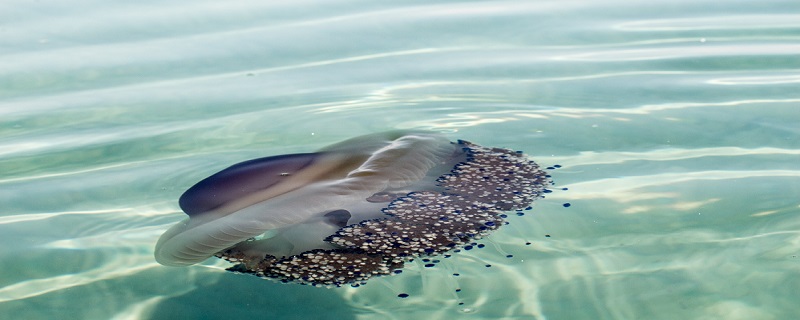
(347, 212)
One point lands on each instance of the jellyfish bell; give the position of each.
(285, 193)
(353, 210)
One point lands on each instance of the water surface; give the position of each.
(676, 123)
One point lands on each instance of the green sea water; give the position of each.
(676, 123)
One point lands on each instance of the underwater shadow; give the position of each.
(238, 296)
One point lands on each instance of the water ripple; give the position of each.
(675, 123)
(731, 22)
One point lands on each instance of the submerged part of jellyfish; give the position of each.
(354, 210)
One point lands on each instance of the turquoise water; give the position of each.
(676, 123)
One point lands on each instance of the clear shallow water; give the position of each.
(676, 123)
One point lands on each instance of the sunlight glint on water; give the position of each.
(675, 123)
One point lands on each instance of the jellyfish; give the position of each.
(353, 210)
